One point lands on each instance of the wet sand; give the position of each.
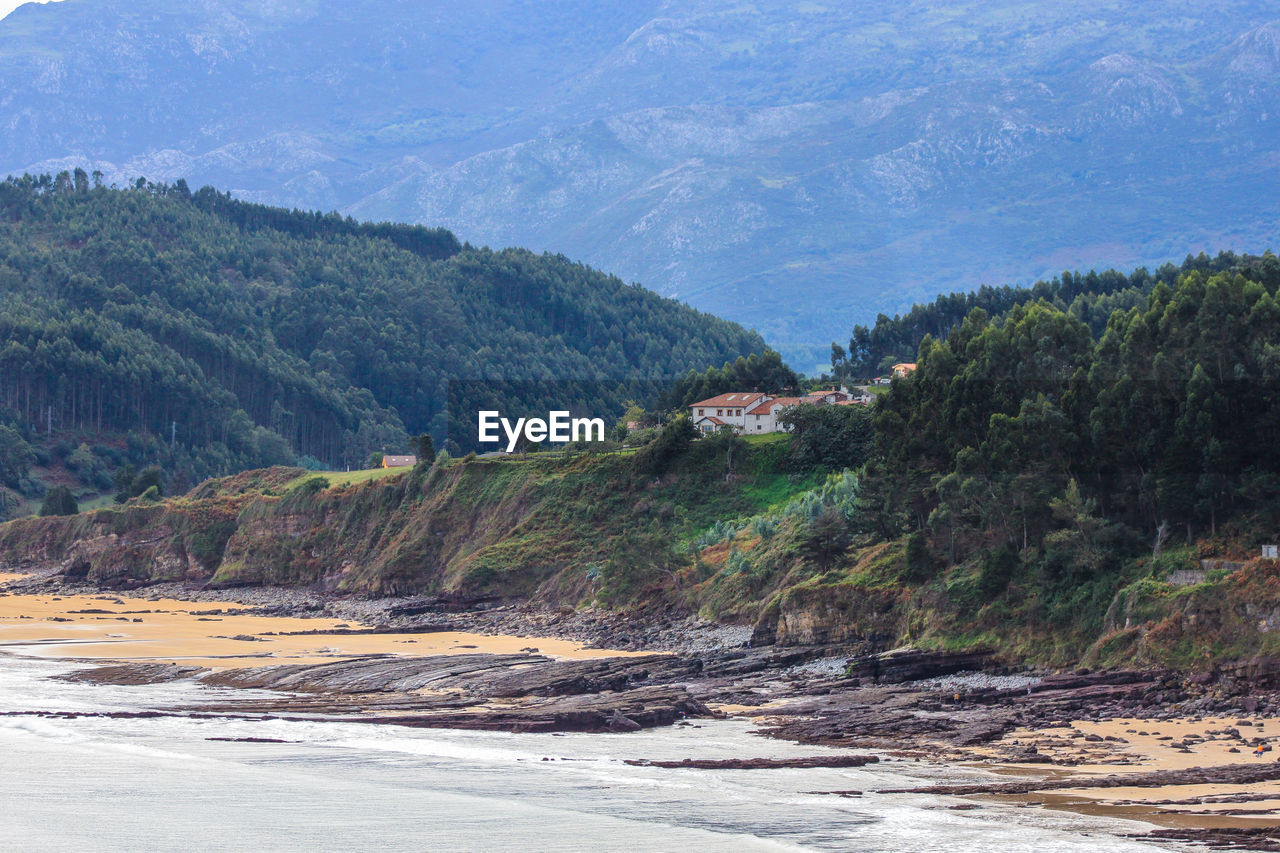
(1149, 744)
(1135, 745)
(221, 634)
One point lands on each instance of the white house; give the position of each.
(755, 413)
(763, 417)
(724, 410)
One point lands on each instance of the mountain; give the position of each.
(155, 324)
(795, 166)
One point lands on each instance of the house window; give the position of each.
(702, 411)
(719, 413)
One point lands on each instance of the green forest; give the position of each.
(1091, 297)
(1045, 458)
(156, 325)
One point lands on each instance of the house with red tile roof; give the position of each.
(764, 417)
(724, 410)
(756, 414)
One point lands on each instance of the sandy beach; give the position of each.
(108, 627)
(1137, 745)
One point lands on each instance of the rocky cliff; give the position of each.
(591, 530)
(552, 530)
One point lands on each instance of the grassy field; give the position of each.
(350, 478)
(100, 502)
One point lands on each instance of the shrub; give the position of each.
(59, 501)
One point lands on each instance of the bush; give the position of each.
(997, 570)
(131, 485)
(59, 501)
(919, 560)
(657, 456)
(764, 527)
(311, 485)
(830, 437)
(82, 461)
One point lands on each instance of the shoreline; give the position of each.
(1179, 757)
(221, 633)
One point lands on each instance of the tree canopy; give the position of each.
(1091, 297)
(1024, 432)
(219, 335)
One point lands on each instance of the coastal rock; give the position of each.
(619, 722)
(763, 763)
(135, 673)
(1231, 774)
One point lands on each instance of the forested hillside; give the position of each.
(1091, 297)
(153, 324)
(1052, 482)
(1028, 457)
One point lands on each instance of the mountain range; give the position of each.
(794, 166)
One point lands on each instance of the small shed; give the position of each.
(399, 461)
(1271, 552)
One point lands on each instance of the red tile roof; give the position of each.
(737, 399)
(769, 405)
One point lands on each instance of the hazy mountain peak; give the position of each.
(1256, 54)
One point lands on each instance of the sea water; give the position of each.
(107, 783)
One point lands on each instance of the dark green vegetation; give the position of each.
(829, 438)
(1044, 493)
(59, 501)
(797, 167)
(765, 373)
(1037, 471)
(154, 325)
(1091, 297)
(1161, 422)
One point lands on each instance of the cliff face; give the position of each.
(137, 544)
(548, 529)
(592, 530)
(406, 534)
